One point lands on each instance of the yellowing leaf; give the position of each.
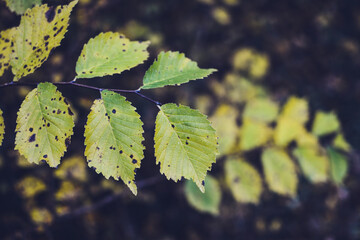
(280, 171)
(110, 53)
(67, 192)
(173, 68)
(325, 123)
(221, 15)
(185, 143)
(41, 216)
(44, 125)
(243, 180)
(287, 130)
(249, 60)
(340, 143)
(296, 109)
(306, 139)
(2, 127)
(20, 6)
(6, 42)
(30, 186)
(261, 109)
(204, 202)
(254, 134)
(338, 165)
(224, 121)
(41, 29)
(113, 138)
(72, 168)
(314, 165)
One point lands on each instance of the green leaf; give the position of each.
(338, 165)
(44, 125)
(280, 171)
(6, 42)
(314, 165)
(113, 138)
(254, 134)
(2, 127)
(173, 68)
(243, 180)
(262, 110)
(41, 29)
(340, 143)
(110, 53)
(325, 123)
(204, 202)
(20, 6)
(185, 143)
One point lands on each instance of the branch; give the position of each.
(73, 83)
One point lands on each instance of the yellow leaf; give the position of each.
(254, 134)
(296, 109)
(340, 143)
(6, 46)
(261, 109)
(30, 186)
(325, 123)
(286, 130)
(72, 168)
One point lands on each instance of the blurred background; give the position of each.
(285, 102)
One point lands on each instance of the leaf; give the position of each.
(224, 120)
(2, 127)
(44, 125)
(6, 42)
(173, 68)
(20, 6)
(306, 139)
(41, 29)
(254, 134)
(185, 143)
(204, 202)
(280, 171)
(296, 109)
(30, 186)
(73, 168)
(262, 110)
(325, 123)
(110, 53)
(340, 143)
(243, 180)
(338, 165)
(287, 130)
(113, 138)
(314, 165)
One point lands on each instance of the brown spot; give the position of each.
(32, 138)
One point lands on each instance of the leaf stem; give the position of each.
(73, 83)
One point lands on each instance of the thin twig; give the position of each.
(73, 83)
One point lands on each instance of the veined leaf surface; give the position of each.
(113, 138)
(110, 53)
(20, 6)
(41, 29)
(44, 125)
(6, 40)
(173, 68)
(185, 143)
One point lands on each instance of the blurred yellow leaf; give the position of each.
(221, 15)
(243, 180)
(249, 60)
(67, 192)
(41, 216)
(30, 186)
(314, 165)
(280, 171)
(325, 123)
(254, 134)
(296, 109)
(72, 168)
(261, 109)
(340, 143)
(286, 130)
(305, 138)
(224, 121)
(204, 103)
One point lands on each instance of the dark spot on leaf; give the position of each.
(67, 141)
(50, 14)
(121, 151)
(203, 183)
(236, 180)
(114, 111)
(56, 138)
(46, 38)
(131, 156)
(45, 156)
(32, 138)
(36, 145)
(31, 129)
(70, 112)
(172, 125)
(134, 161)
